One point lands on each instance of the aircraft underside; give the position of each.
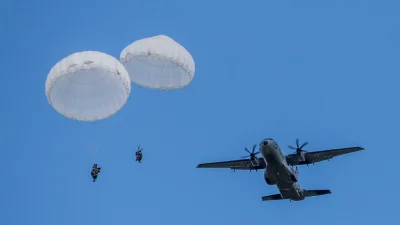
(279, 174)
(285, 179)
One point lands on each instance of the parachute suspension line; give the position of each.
(86, 142)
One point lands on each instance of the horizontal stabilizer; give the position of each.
(307, 193)
(272, 197)
(311, 193)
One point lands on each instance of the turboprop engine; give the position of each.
(253, 156)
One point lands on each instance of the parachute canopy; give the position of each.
(88, 86)
(159, 63)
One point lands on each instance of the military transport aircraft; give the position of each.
(278, 168)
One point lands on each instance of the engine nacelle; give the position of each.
(254, 161)
(269, 179)
(302, 156)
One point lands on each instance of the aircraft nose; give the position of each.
(265, 142)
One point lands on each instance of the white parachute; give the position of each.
(158, 62)
(88, 86)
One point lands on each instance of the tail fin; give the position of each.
(307, 193)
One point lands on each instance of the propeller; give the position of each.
(252, 154)
(299, 148)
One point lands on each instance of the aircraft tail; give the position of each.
(272, 197)
(311, 193)
(307, 193)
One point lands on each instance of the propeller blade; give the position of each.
(305, 143)
(299, 148)
(254, 148)
(252, 154)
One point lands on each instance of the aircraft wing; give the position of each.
(318, 156)
(242, 164)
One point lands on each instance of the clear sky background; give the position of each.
(324, 71)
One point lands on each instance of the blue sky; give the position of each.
(324, 71)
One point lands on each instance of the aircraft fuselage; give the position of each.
(278, 172)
